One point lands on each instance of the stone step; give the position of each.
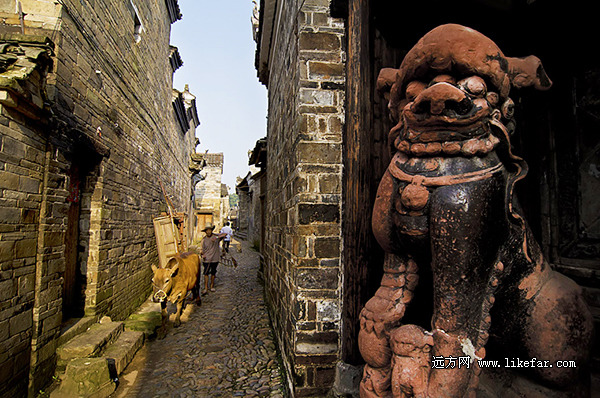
(91, 343)
(146, 319)
(122, 351)
(75, 327)
(86, 377)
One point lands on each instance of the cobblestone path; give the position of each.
(224, 348)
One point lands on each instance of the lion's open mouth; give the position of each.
(445, 133)
(463, 124)
(455, 120)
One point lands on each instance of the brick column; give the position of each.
(303, 199)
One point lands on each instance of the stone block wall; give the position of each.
(303, 219)
(23, 165)
(243, 209)
(255, 193)
(208, 191)
(41, 16)
(225, 208)
(123, 89)
(111, 125)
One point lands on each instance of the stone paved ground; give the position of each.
(224, 348)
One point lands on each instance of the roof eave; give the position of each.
(265, 34)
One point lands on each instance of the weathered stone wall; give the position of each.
(254, 211)
(110, 92)
(22, 163)
(225, 209)
(40, 17)
(243, 210)
(123, 92)
(208, 191)
(302, 248)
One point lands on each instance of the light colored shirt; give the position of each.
(227, 230)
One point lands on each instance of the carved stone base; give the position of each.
(347, 380)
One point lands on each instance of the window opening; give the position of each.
(137, 24)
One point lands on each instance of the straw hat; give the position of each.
(208, 226)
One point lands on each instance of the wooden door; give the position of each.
(201, 220)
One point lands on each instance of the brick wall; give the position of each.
(208, 191)
(302, 248)
(244, 203)
(255, 193)
(112, 126)
(23, 161)
(124, 97)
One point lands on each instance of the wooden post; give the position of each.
(356, 224)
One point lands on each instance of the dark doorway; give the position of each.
(80, 184)
(70, 283)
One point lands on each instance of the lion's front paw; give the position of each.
(411, 345)
(375, 383)
(374, 346)
(385, 310)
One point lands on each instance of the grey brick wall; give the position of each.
(110, 98)
(302, 248)
(208, 191)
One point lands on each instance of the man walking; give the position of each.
(210, 253)
(227, 230)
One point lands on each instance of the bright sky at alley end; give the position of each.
(215, 42)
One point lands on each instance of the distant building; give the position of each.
(234, 209)
(243, 215)
(209, 195)
(225, 208)
(257, 190)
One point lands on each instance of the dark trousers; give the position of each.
(210, 268)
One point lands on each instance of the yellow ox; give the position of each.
(174, 282)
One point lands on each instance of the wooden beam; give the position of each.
(356, 225)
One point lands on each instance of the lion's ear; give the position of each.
(385, 81)
(528, 71)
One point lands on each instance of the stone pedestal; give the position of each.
(86, 377)
(347, 380)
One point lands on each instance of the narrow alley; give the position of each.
(224, 348)
(416, 182)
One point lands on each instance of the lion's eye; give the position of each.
(166, 280)
(413, 89)
(442, 79)
(493, 98)
(474, 85)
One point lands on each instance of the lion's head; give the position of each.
(451, 85)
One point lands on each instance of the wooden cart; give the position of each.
(171, 236)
